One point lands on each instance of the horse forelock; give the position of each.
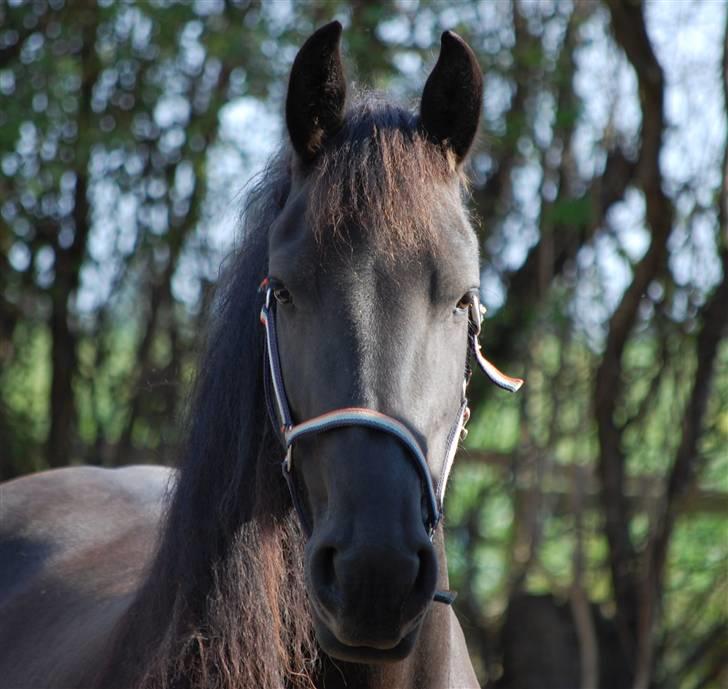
(381, 175)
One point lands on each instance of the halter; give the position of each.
(281, 418)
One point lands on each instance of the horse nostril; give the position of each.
(323, 571)
(426, 580)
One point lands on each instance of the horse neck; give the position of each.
(427, 667)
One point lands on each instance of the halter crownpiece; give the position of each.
(282, 420)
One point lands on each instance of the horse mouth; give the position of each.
(384, 650)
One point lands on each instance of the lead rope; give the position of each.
(282, 420)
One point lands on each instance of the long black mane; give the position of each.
(224, 603)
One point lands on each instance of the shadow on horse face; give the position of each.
(359, 326)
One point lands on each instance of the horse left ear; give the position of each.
(453, 97)
(316, 92)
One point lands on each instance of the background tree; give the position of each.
(587, 514)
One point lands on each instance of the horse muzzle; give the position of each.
(369, 598)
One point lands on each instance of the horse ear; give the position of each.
(316, 92)
(453, 96)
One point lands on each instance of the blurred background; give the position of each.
(587, 515)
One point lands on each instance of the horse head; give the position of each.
(371, 294)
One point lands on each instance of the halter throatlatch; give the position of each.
(281, 418)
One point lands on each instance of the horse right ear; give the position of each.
(316, 92)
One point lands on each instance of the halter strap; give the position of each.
(369, 418)
(267, 318)
(477, 311)
(281, 418)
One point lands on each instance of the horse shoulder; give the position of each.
(462, 674)
(74, 544)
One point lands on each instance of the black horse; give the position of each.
(358, 250)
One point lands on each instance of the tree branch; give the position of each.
(630, 32)
(64, 359)
(685, 468)
(559, 242)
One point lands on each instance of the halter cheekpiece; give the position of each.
(281, 418)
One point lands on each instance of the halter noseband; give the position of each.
(281, 418)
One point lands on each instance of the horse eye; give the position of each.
(465, 301)
(282, 295)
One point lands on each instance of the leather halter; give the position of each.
(281, 418)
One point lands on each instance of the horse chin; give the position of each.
(376, 652)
